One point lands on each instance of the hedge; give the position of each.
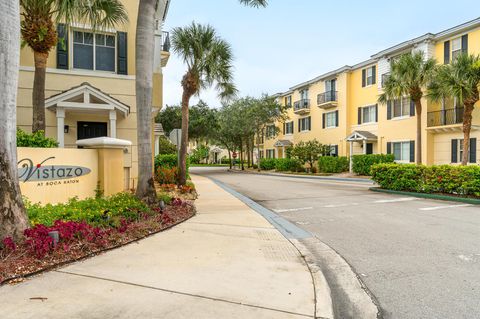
(267, 164)
(445, 179)
(362, 164)
(168, 160)
(287, 164)
(36, 139)
(331, 164)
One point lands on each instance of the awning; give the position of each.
(357, 136)
(283, 143)
(216, 150)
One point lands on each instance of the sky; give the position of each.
(292, 41)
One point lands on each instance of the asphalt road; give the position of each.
(420, 258)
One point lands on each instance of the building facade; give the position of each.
(340, 108)
(90, 84)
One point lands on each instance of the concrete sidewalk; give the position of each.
(226, 262)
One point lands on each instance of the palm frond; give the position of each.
(254, 3)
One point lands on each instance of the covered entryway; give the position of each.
(366, 140)
(281, 146)
(86, 100)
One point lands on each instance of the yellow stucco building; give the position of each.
(340, 108)
(90, 84)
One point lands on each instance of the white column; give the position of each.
(157, 145)
(113, 123)
(351, 156)
(284, 152)
(364, 146)
(61, 127)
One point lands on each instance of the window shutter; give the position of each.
(122, 53)
(454, 151)
(323, 120)
(299, 125)
(374, 72)
(389, 110)
(284, 128)
(446, 52)
(359, 120)
(273, 153)
(336, 118)
(389, 147)
(465, 43)
(336, 150)
(473, 150)
(412, 151)
(412, 108)
(376, 112)
(309, 123)
(364, 77)
(62, 46)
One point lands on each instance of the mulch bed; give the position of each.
(19, 263)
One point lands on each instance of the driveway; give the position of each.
(420, 258)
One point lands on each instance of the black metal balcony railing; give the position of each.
(301, 105)
(165, 41)
(445, 117)
(329, 96)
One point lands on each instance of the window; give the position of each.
(370, 76)
(368, 114)
(270, 132)
(289, 127)
(304, 94)
(271, 153)
(333, 150)
(304, 124)
(288, 100)
(330, 85)
(458, 150)
(401, 151)
(401, 107)
(331, 119)
(93, 51)
(456, 47)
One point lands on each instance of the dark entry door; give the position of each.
(91, 130)
(369, 148)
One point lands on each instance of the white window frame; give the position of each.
(71, 51)
(402, 157)
(370, 113)
(329, 117)
(455, 51)
(403, 107)
(288, 101)
(270, 153)
(289, 128)
(304, 94)
(369, 78)
(303, 126)
(270, 131)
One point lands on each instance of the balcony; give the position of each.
(302, 106)
(448, 120)
(327, 99)
(165, 41)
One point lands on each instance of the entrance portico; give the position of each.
(365, 138)
(85, 99)
(281, 146)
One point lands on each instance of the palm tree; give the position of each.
(39, 33)
(459, 80)
(409, 76)
(208, 59)
(13, 219)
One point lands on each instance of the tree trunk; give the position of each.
(144, 48)
(38, 93)
(467, 126)
(229, 158)
(241, 155)
(182, 176)
(13, 219)
(418, 109)
(248, 153)
(258, 155)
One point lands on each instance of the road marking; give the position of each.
(403, 199)
(291, 209)
(445, 207)
(341, 205)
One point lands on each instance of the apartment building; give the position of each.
(90, 84)
(340, 108)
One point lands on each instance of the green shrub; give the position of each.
(361, 164)
(287, 164)
(331, 164)
(168, 160)
(224, 160)
(36, 139)
(166, 175)
(167, 199)
(446, 179)
(267, 164)
(104, 211)
(166, 147)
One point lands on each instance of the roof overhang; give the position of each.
(283, 143)
(357, 136)
(86, 98)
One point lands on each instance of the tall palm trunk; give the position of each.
(38, 94)
(182, 178)
(467, 126)
(13, 220)
(144, 48)
(418, 110)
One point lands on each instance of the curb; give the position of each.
(327, 178)
(472, 201)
